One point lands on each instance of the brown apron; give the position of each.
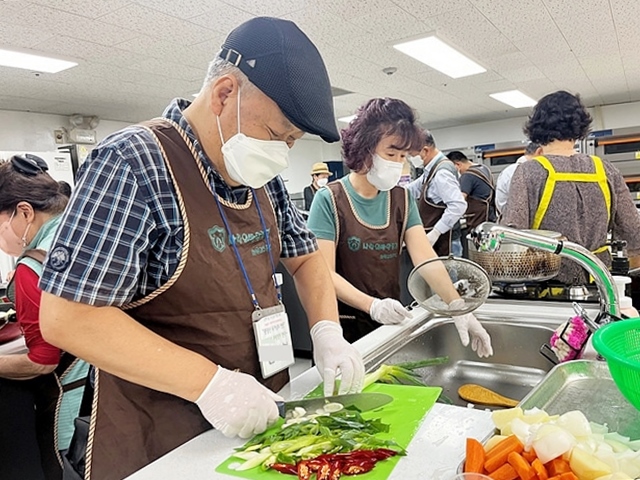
(478, 209)
(431, 212)
(204, 307)
(368, 256)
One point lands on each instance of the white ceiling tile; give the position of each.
(51, 20)
(181, 8)
(272, 8)
(22, 37)
(391, 26)
(154, 65)
(86, 8)
(135, 55)
(139, 19)
(222, 21)
(24, 104)
(430, 8)
(349, 9)
(9, 8)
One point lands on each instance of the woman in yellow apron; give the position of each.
(363, 220)
(583, 197)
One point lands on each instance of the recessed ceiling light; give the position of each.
(440, 56)
(347, 119)
(30, 61)
(514, 98)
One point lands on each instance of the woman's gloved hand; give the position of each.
(468, 324)
(331, 352)
(388, 311)
(237, 404)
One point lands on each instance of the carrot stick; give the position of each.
(505, 472)
(521, 466)
(568, 476)
(497, 456)
(557, 466)
(475, 457)
(540, 470)
(529, 456)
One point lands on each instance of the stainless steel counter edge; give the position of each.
(437, 448)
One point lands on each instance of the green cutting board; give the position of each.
(403, 415)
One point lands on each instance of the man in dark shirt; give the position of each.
(478, 189)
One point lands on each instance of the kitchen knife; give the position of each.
(361, 401)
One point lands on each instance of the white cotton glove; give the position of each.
(468, 324)
(237, 404)
(332, 352)
(433, 236)
(388, 311)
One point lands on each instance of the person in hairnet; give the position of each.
(162, 273)
(363, 219)
(320, 174)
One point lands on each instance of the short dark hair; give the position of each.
(40, 191)
(64, 188)
(428, 139)
(531, 148)
(457, 156)
(558, 116)
(378, 118)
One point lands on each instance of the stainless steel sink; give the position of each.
(514, 369)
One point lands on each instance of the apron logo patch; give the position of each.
(218, 238)
(59, 258)
(354, 243)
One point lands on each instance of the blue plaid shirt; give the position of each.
(121, 236)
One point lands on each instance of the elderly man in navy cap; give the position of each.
(162, 273)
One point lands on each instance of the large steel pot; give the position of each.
(514, 263)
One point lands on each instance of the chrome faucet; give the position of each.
(489, 236)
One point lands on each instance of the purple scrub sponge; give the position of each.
(569, 339)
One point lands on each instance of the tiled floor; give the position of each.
(299, 367)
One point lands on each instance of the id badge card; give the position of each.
(273, 339)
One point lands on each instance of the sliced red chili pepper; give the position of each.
(336, 471)
(304, 472)
(324, 471)
(315, 464)
(285, 468)
(358, 468)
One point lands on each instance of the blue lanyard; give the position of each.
(232, 241)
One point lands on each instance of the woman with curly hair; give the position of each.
(362, 220)
(581, 196)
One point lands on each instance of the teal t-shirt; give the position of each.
(322, 220)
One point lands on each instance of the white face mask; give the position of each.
(250, 161)
(384, 174)
(322, 182)
(416, 161)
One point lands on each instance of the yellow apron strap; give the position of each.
(602, 249)
(604, 184)
(599, 177)
(547, 193)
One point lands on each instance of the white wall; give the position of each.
(307, 151)
(33, 132)
(510, 130)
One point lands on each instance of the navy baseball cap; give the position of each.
(286, 66)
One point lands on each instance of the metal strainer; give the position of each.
(469, 279)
